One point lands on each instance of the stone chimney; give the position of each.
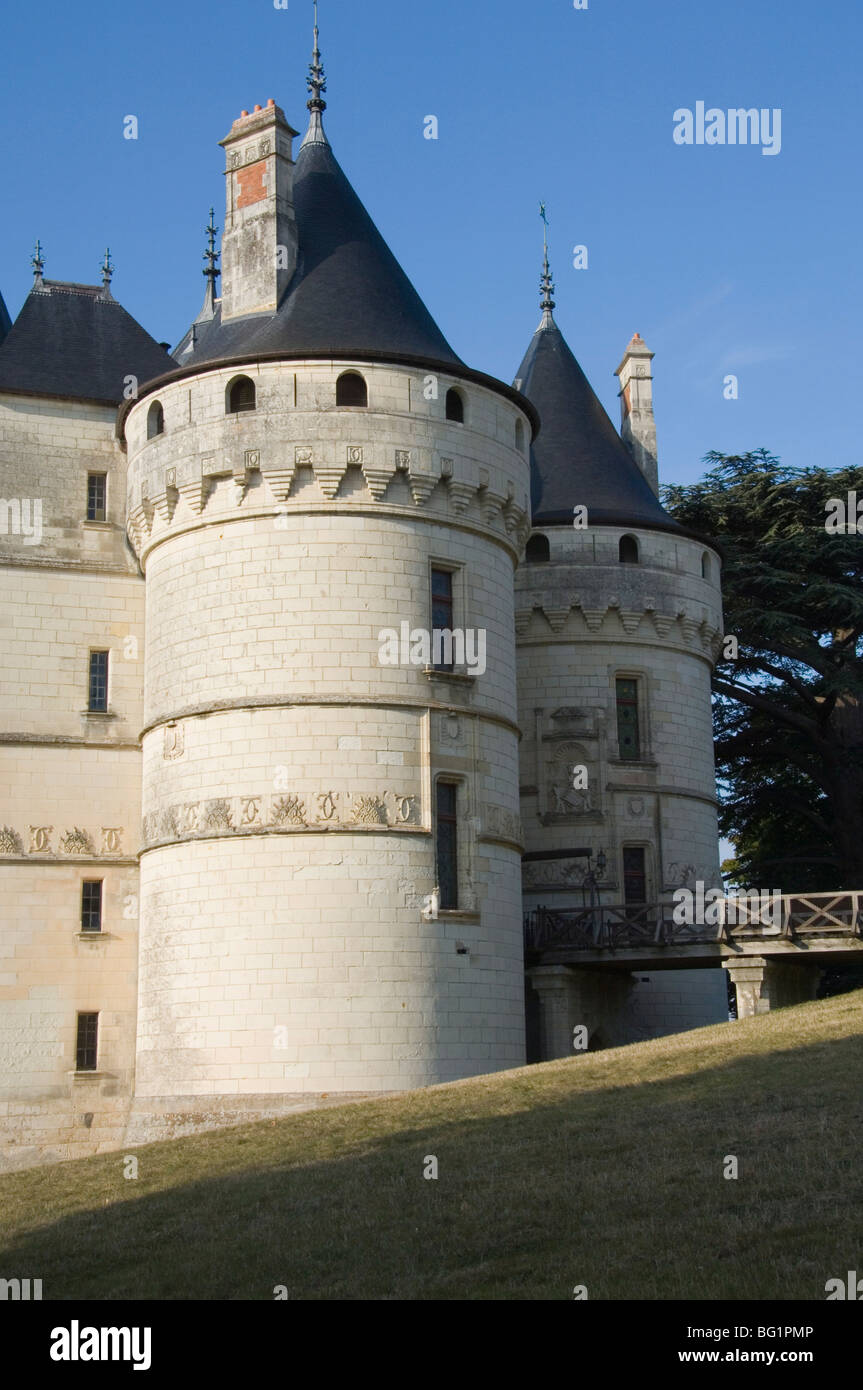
(637, 425)
(259, 246)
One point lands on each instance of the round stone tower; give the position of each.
(330, 884)
(619, 619)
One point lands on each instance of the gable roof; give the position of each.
(579, 459)
(76, 342)
(348, 297)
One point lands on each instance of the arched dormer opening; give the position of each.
(240, 395)
(351, 390)
(628, 550)
(155, 420)
(537, 551)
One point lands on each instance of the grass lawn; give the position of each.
(603, 1170)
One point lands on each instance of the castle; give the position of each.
(249, 863)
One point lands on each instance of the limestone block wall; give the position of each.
(70, 784)
(583, 621)
(287, 943)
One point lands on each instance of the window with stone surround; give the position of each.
(634, 875)
(455, 406)
(351, 390)
(91, 904)
(446, 820)
(628, 550)
(155, 420)
(537, 550)
(442, 609)
(87, 1043)
(97, 694)
(240, 395)
(97, 487)
(628, 727)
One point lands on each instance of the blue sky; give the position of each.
(724, 259)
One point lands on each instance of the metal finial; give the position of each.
(546, 284)
(316, 81)
(37, 263)
(107, 269)
(211, 255)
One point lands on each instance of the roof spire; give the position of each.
(107, 269)
(546, 284)
(211, 256)
(38, 266)
(211, 270)
(317, 85)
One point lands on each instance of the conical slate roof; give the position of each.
(5, 321)
(579, 459)
(76, 342)
(348, 296)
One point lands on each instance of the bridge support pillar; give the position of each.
(763, 984)
(591, 999)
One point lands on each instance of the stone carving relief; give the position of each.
(564, 799)
(286, 811)
(76, 842)
(112, 839)
(554, 873)
(10, 841)
(174, 741)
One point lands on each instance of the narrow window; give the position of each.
(87, 1043)
(91, 905)
(628, 736)
(519, 436)
(628, 550)
(155, 420)
(454, 406)
(447, 840)
(634, 876)
(537, 550)
(240, 395)
(351, 389)
(96, 490)
(98, 689)
(705, 566)
(442, 613)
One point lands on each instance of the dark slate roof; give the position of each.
(348, 296)
(75, 342)
(5, 321)
(579, 459)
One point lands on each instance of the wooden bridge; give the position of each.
(791, 926)
(774, 950)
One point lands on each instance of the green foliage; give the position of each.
(789, 707)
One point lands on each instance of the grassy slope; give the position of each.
(604, 1170)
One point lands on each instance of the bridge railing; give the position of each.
(624, 926)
